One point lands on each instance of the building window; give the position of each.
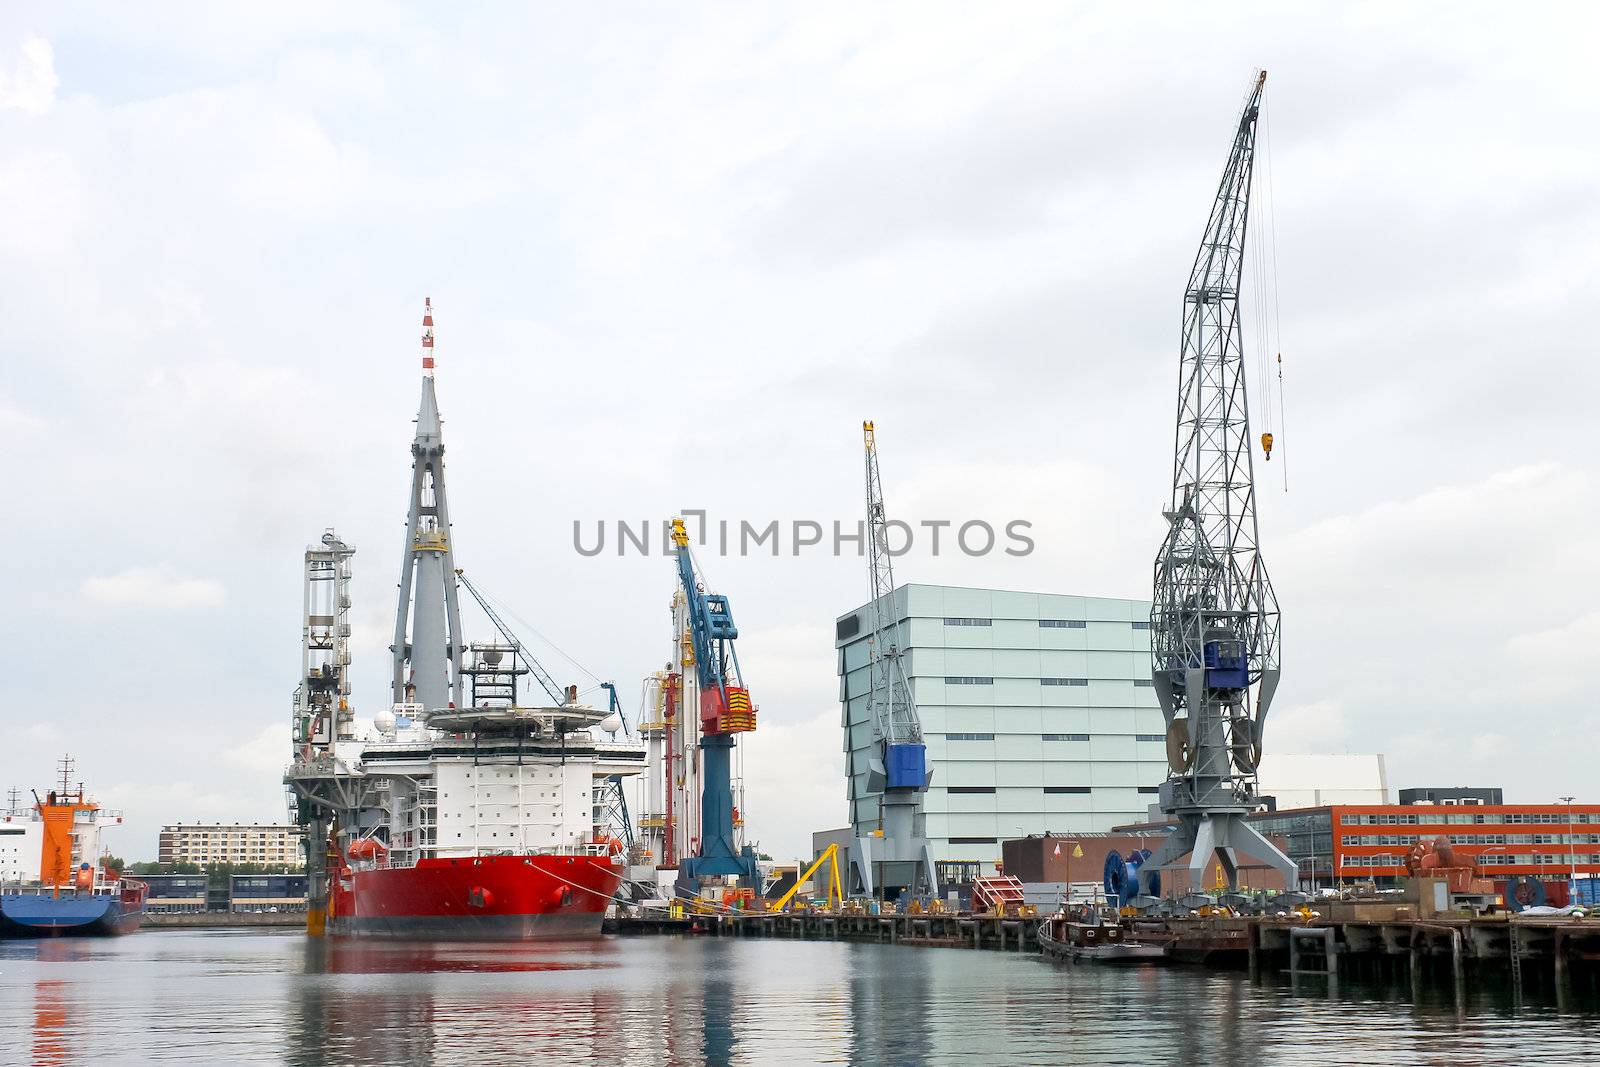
(1066, 789)
(1141, 625)
(1150, 737)
(969, 622)
(848, 627)
(1064, 737)
(1062, 624)
(1149, 789)
(972, 840)
(969, 789)
(1063, 681)
(969, 737)
(1145, 683)
(967, 679)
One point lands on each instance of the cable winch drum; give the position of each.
(1179, 755)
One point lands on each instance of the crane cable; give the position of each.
(1268, 310)
(505, 609)
(1277, 307)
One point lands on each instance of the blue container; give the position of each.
(907, 766)
(1585, 891)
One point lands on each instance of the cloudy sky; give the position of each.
(678, 254)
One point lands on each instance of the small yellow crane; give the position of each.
(830, 856)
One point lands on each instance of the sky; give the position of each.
(677, 254)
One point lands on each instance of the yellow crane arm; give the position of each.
(830, 856)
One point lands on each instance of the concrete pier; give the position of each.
(1002, 933)
(1443, 948)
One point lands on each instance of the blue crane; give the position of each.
(725, 710)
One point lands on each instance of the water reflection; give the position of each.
(233, 998)
(890, 997)
(50, 1045)
(377, 1001)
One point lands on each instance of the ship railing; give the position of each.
(39, 889)
(601, 848)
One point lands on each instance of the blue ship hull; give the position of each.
(85, 915)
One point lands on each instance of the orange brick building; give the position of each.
(1358, 842)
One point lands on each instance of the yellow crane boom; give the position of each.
(830, 856)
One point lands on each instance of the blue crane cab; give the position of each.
(1227, 662)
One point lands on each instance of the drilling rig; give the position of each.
(900, 859)
(1214, 652)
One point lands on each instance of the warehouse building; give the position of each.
(1037, 709)
(169, 893)
(267, 892)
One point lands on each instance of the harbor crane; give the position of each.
(900, 859)
(1214, 655)
(725, 711)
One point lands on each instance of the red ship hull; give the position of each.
(487, 898)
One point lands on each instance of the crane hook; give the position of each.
(1266, 445)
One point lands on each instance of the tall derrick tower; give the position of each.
(323, 713)
(324, 778)
(427, 668)
(1214, 618)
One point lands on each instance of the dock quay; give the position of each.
(993, 932)
(1533, 950)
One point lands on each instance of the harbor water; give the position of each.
(220, 996)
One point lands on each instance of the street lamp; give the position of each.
(1572, 855)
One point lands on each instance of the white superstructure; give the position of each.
(491, 780)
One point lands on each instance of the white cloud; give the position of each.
(264, 753)
(794, 782)
(1320, 726)
(147, 805)
(1552, 662)
(17, 423)
(155, 590)
(972, 227)
(30, 86)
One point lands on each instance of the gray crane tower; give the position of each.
(900, 858)
(1214, 617)
(427, 669)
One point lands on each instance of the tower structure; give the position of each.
(1214, 617)
(724, 711)
(427, 666)
(897, 857)
(322, 709)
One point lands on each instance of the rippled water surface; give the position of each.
(236, 997)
